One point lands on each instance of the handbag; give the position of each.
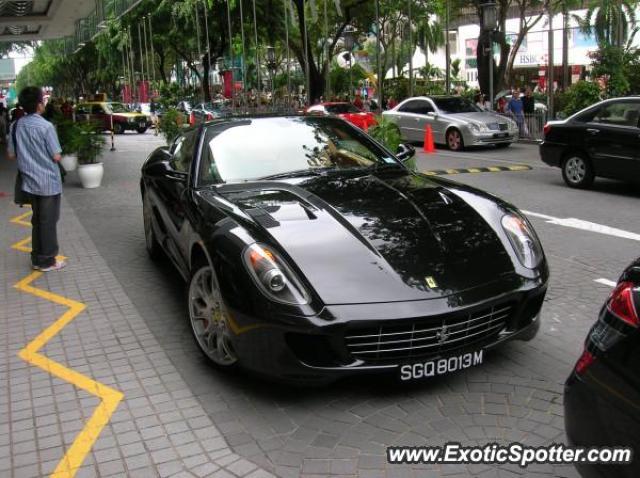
(20, 197)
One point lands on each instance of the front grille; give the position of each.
(504, 126)
(427, 337)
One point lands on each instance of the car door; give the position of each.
(99, 116)
(411, 117)
(172, 189)
(612, 139)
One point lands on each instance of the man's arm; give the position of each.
(53, 145)
(11, 154)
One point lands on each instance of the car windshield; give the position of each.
(117, 108)
(266, 147)
(454, 105)
(341, 108)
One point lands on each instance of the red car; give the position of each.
(346, 111)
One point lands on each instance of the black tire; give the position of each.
(454, 140)
(577, 171)
(208, 318)
(503, 145)
(118, 128)
(154, 249)
(141, 130)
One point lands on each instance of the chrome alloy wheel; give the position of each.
(454, 140)
(207, 316)
(575, 169)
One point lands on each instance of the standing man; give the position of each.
(516, 108)
(34, 142)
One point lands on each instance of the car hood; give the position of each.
(364, 238)
(478, 117)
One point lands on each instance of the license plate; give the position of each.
(502, 135)
(441, 366)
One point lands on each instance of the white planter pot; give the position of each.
(69, 162)
(90, 175)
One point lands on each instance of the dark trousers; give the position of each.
(44, 234)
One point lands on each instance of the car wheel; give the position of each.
(577, 172)
(503, 145)
(118, 128)
(153, 246)
(454, 140)
(141, 130)
(208, 317)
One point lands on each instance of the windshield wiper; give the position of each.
(379, 167)
(300, 173)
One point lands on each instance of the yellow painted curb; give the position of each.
(110, 398)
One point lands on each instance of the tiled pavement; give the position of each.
(158, 429)
(180, 415)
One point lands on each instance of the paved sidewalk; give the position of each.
(97, 356)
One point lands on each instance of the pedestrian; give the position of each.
(153, 109)
(3, 123)
(35, 144)
(391, 103)
(515, 107)
(529, 109)
(358, 102)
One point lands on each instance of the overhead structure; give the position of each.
(34, 20)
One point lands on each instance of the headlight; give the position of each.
(513, 125)
(523, 239)
(273, 277)
(131, 120)
(478, 127)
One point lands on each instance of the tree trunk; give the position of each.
(206, 68)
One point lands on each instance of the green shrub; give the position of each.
(387, 133)
(170, 124)
(579, 96)
(87, 142)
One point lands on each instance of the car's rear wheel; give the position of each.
(151, 242)
(454, 140)
(208, 317)
(118, 128)
(577, 172)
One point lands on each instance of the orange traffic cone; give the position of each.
(429, 147)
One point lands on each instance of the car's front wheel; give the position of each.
(454, 140)
(141, 130)
(208, 317)
(577, 172)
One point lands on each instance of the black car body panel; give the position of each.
(607, 134)
(363, 244)
(602, 404)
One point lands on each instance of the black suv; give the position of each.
(602, 140)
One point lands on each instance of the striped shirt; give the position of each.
(37, 143)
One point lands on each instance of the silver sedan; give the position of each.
(455, 122)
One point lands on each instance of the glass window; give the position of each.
(260, 148)
(97, 109)
(420, 107)
(183, 149)
(82, 109)
(342, 108)
(118, 108)
(618, 114)
(455, 104)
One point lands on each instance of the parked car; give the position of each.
(102, 112)
(346, 111)
(600, 141)
(206, 112)
(455, 122)
(313, 253)
(602, 394)
(184, 107)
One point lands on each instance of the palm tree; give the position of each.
(430, 36)
(612, 22)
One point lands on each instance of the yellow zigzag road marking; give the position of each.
(73, 458)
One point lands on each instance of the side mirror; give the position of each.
(405, 152)
(432, 114)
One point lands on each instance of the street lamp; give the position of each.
(271, 65)
(490, 23)
(349, 38)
